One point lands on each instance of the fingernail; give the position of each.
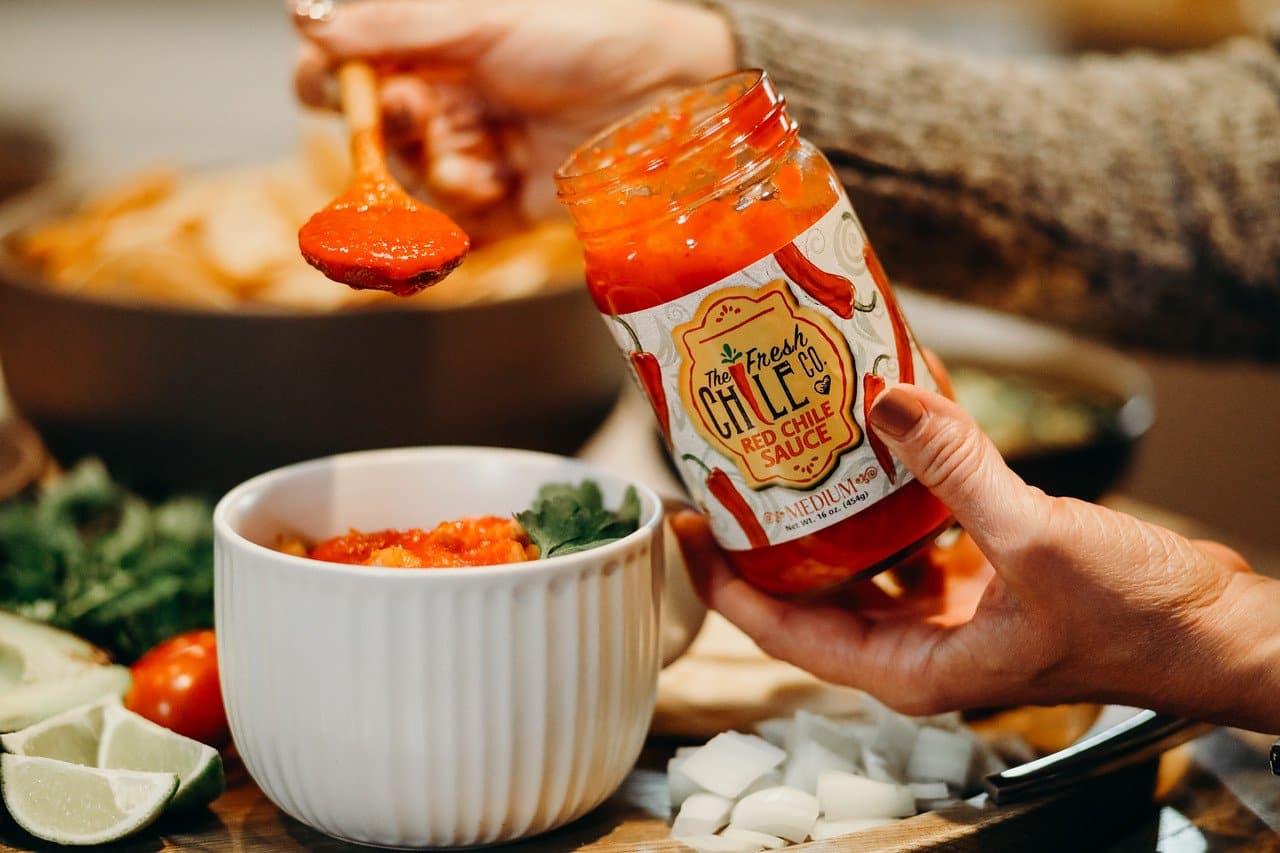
(896, 413)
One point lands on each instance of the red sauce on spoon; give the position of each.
(374, 236)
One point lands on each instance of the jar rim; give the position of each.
(571, 181)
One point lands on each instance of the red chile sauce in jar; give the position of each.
(733, 272)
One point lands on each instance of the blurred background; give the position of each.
(96, 90)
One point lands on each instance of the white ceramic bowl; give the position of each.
(432, 708)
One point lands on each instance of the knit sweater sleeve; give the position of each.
(1135, 198)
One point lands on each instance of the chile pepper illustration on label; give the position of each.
(649, 374)
(723, 490)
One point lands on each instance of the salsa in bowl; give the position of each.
(442, 707)
(564, 518)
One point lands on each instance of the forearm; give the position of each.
(1126, 197)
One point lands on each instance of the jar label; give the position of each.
(762, 382)
(769, 385)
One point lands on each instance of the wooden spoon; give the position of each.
(374, 235)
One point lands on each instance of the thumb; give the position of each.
(946, 451)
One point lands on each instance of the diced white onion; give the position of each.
(864, 733)
(719, 844)
(809, 760)
(808, 727)
(929, 790)
(772, 779)
(843, 796)
(785, 812)
(941, 756)
(679, 786)
(857, 774)
(824, 829)
(702, 814)
(895, 740)
(731, 761)
(766, 842)
(875, 767)
(775, 730)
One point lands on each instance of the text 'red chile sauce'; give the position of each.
(758, 321)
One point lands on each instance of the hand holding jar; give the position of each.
(1085, 603)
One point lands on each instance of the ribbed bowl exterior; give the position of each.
(402, 709)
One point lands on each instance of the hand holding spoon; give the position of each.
(374, 236)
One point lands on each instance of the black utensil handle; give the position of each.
(1139, 738)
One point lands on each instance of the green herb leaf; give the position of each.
(565, 518)
(88, 556)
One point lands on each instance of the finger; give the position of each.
(946, 451)
(464, 160)
(406, 108)
(313, 79)
(761, 616)
(447, 31)
(707, 566)
(405, 99)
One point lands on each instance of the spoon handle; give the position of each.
(358, 87)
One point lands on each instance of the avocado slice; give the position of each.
(44, 671)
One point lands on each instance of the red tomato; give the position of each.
(176, 685)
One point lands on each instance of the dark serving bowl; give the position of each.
(1006, 346)
(192, 399)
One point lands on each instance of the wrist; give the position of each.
(1249, 629)
(1226, 666)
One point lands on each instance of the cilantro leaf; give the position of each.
(565, 518)
(86, 555)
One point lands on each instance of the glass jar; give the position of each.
(725, 256)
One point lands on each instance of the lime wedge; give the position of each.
(131, 742)
(70, 736)
(70, 804)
